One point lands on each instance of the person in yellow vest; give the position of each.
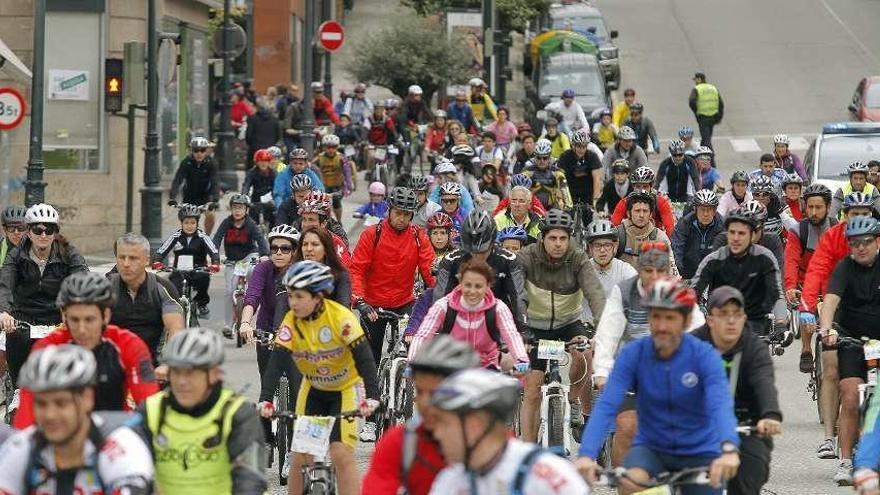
(858, 182)
(481, 103)
(708, 107)
(205, 439)
(336, 172)
(621, 109)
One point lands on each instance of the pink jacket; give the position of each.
(728, 203)
(470, 327)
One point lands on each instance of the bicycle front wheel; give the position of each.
(404, 397)
(555, 422)
(817, 376)
(283, 433)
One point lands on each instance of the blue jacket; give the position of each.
(683, 403)
(690, 243)
(282, 189)
(463, 114)
(465, 205)
(868, 453)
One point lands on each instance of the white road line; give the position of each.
(745, 145)
(868, 54)
(798, 143)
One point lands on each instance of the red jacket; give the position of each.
(662, 215)
(831, 249)
(383, 477)
(121, 352)
(796, 208)
(383, 272)
(325, 114)
(536, 207)
(341, 250)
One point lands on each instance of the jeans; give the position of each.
(754, 468)
(655, 463)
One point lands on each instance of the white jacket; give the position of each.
(728, 203)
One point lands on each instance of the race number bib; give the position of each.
(551, 350)
(40, 331)
(266, 198)
(311, 435)
(380, 153)
(185, 262)
(241, 268)
(872, 349)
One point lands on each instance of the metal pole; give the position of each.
(151, 193)
(488, 45)
(4, 169)
(307, 137)
(129, 172)
(327, 9)
(34, 188)
(225, 136)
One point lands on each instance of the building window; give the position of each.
(73, 122)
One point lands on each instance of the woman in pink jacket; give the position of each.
(472, 314)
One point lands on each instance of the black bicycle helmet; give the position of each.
(739, 176)
(14, 214)
(557, 219)
(742, 216)
(478, 231)
(403, 198)
(641, 197)
(818, 190)
(85, 288)
(240, 199)
(444, 355)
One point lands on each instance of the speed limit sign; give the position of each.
(12, 108)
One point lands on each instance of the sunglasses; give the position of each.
(50, 230)
(15, 228)
(359, 92)
(865, 241)
(651, 246)
(199, 150)
(543, 158)
(449, 201)
(677, 155)
(760, 194)
(285, 249)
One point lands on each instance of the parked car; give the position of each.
(839, 145)
(865, 106)
(578, 71)
(588, 21)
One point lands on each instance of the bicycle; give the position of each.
(670, 483)
(241, 270)
(582, 215)
(381, 171)
(871, 349)
(775, 339)
(395, 387)
(10, 391)
(283, 429)
(554, 425)
(190, 311)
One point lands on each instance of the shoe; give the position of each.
(843, 476)
(227, 332)
(270, 453)
(204, 312)
(826, 450)
(286, 466)
(806, 363)
(576, 418)
(368, 432)
(787, 338)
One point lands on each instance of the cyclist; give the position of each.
(752, 383)
(242, 240)
(382, 132)
(558, 276)
(191, 246)
(359, 106)
(621, 108)
(747, 266)
(450, 202)
(686, 134)
(331, 352)
(858, 182)
(525, 153)
(569, 110)
(408, 457)
(72, 449)
(583, 172)
(799, 248)
(30, 279)
(288, 212)
(299, 164)
(474, 408)
(519, 213)
(643, 127)
(778, 215)
(874, 172)
(512, 239)
(832, 248)
(124, 363)
(336, 172)
(198, 175)
(315, 212)
(145, 303)
(258, 184)
(625, 149)
(14, 228)
(482, 106)
(426, 208)
(478, 242)
(710, 177)
(460, 110)
(695, 232)
(525, 181)
(642, 180)
(442, 232)
(852, 302)
(559, 141)
(602, 245)
(604, 131)
(625, 319)
(758, 212)
(678, 176)
(785, 159)
(204, 437)
(738, 194)
(767, 168)
(681, 382)
(445, 172)
(549, 184)
(638, 227)
(792, 188)
(616, 188)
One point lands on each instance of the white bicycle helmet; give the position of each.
(543, 147)
(330, 140)
(415, 89)
(445, 167)
(781, 139)
(59, 367)
(309, 275)
(276, 152)
(284, 231)
(451, 188)
(676, 147)
(857, 167)
(705, 197)
(476, 81)
(626, 133)
(704, 150)
(41, 213)
(199, 142)
(194, 348)
(464, 150)
(301, 182)
(580, 137)
(642, 175)
(599, 229)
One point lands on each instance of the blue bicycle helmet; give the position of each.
(521, 180)
(862, 226)
(856, 199)
(685, 132)
(309, 275)
(515, 232)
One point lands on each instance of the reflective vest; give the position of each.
(4, 248)
(847, 190)
(707, 99)
(331, 169)
(190, 452)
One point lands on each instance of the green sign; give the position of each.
(73, 81)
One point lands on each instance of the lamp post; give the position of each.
(151, 193)
(307, 136)
(35, 187)
(225, 136)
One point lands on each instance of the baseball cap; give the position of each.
(723, 295)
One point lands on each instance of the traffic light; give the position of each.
(113, 85)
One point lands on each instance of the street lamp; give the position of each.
(35, 187)
(151, 193)
(225, 136)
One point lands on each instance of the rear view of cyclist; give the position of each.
(71, 449)
(474, 407)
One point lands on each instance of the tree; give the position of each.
(513, 14)
(411, 52)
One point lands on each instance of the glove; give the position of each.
(172, 202)
(364, 308)
(368, 406)
(214, 268)
(266, 408)
(865, 480)
(807, 318)
(158, 265)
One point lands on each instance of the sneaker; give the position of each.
(227, 332)
(368, 432)
(806, 363)
(204, 312)
(826, 450)
(843, 476)
(576, 418)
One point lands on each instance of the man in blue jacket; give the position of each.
(683, 403)
(696, 231)
(299, 164)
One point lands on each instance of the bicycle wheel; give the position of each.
(385, 418)
(606, 452)
(283, 431)
(555, 422)
(239, 307)
(817, 376)
(404, 396)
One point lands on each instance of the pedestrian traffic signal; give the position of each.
(113, 85)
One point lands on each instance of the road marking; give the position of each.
(747, 145)
(868, 54)
(798, 143)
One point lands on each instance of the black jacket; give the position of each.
(29, 295)
(240, 242)
(257, 183)
(288, 213)
(771, 242)
(677, 178)
(609, 197)
(198, 245)
(200, 181)
(263, 130)
(756, 396)
(581, 187)
(691, 243)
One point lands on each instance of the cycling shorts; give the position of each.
(851, 363)
(564, 333)
(336, 193)
(643, 457)
(314, 402)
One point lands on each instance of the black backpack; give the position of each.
(804, 232)
(491, 323)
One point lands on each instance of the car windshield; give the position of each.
(837, 152)
(872, 96)
(585, 82)
(582, 23)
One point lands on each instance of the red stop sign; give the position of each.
(331, 35)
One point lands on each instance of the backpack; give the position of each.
(804, 231)
(621, 240)
(525, 467)
(491, 323)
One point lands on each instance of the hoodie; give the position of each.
(470, 326)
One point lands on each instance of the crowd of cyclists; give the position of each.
(495, 249)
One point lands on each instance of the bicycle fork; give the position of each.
(559, 391)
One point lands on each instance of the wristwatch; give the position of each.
(729, 448)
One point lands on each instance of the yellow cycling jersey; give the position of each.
(321, 347)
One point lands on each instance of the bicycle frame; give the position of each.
(555, 386)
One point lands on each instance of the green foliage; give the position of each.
(513, 14)
(414, 51)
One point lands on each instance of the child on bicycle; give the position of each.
(258, 183)
(192, 247)
(242, 239)
(377, 206)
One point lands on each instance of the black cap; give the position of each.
(700, 75)
(723, 295)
